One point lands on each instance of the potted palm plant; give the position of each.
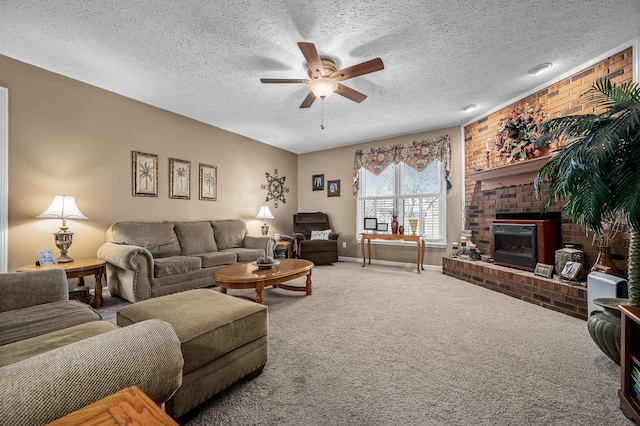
(597, 172)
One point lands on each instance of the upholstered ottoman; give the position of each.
(223, 339)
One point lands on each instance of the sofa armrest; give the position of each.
(23, 289)
(124, 256)
(53, 384)
(129, 270)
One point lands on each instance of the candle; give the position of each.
(455, 245)
(472, 246)
(486, 146)
(463, 239)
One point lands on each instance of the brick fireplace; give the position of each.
(494, 190)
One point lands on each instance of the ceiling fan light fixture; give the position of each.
(323, 87)
(539, 69)
(469, 107)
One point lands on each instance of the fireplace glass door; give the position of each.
(515, 244)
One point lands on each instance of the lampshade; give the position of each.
(62, 207)
(323, 87)
(265, 213)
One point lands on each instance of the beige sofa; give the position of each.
(57, 356)
(151, 259)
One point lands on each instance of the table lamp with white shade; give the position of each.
(63, 207)
(265, 214)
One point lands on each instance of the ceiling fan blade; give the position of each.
(363, 68)
(313, 59)
(284, 80)
(308, 100)
(349, 93)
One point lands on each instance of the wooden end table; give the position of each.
(129, 406)
(285, 245)
(246, 275)
(79, 268)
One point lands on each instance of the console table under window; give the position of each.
(420, 246)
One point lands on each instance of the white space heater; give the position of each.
(601, 285)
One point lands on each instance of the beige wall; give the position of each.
(69, 137)
(338, 164)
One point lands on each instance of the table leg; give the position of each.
(364, 255)
(308, 288)
(418, 250)
(259, 289)
(223, 290)
(369, 249)
(424, 248)
(97, 300)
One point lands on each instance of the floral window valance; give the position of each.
(418, 154)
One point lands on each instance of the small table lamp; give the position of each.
(265, 214)
(63, 207)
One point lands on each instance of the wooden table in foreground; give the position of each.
(421, 246)
(130, 406)
(246, 275)
(79, 268)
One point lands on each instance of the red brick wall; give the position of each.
(570, 299)
(559, 99)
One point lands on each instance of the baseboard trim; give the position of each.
(390, 263)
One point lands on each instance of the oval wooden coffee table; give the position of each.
(246, 275)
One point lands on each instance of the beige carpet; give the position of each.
(386, 346)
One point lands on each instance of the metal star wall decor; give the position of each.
(275, 188)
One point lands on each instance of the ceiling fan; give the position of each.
(325, 76)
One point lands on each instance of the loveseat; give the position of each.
(57, 356)
(151, 259)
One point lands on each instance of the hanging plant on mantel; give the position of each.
(518, 132)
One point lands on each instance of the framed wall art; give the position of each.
(144, 174)
(208, 182)
(333, 188)
(179, 179)
(318, 182)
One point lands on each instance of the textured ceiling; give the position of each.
(204, 59)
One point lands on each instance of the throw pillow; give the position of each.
(320, 235)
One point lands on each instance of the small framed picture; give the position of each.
(179, 179)
(208, 182)
(144, 174)
(383, 227)
(570, 271)
(45, 256)
(370, 224)
(318, 182)
(543, 270)
(333, 189)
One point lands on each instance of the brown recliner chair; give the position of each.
(320, 252)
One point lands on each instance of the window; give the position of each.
(410, 193)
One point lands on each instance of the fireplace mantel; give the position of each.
(512, 174)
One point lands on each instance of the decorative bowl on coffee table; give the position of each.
(265, 265)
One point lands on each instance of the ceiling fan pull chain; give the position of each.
(322, 114)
